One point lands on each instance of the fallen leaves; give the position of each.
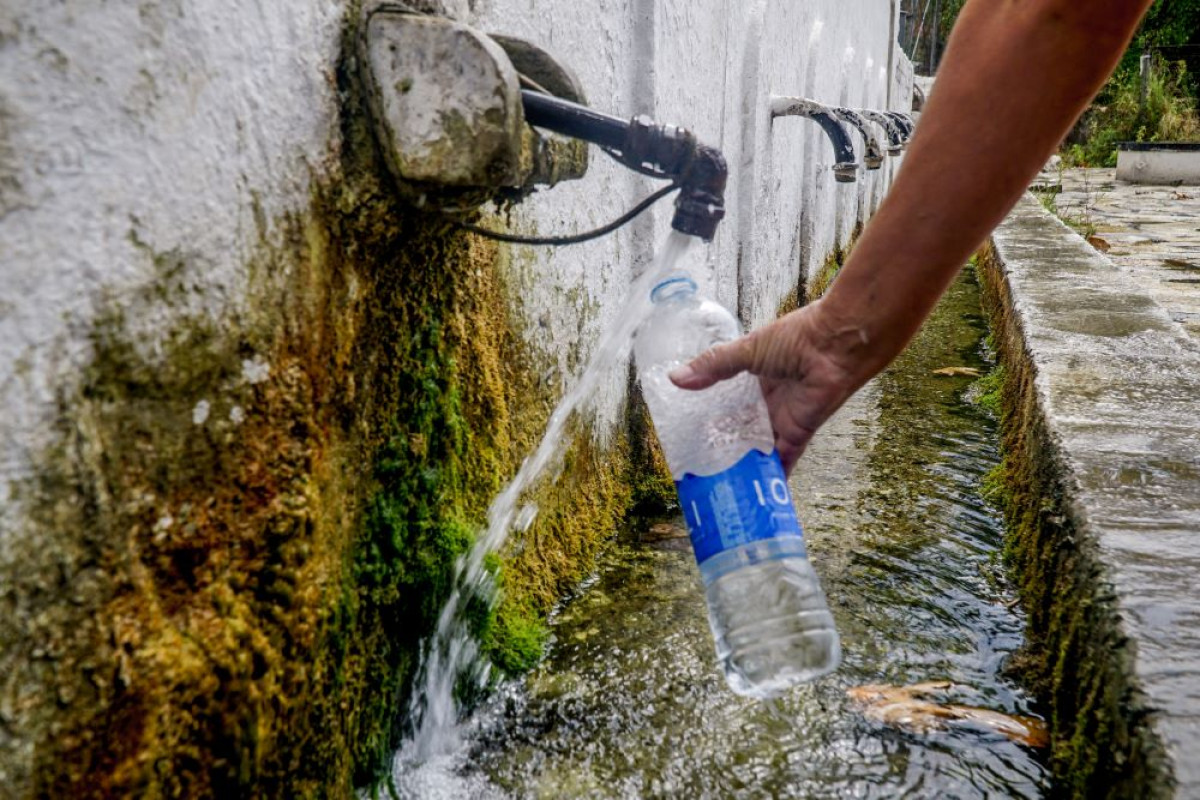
(662, 531)
(904, 707)
(958, 372)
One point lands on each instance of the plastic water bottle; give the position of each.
(769, 619)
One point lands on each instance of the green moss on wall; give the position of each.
(653, 492)
(250, 521)
(820, 283)
(1077, 659)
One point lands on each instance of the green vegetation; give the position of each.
(1167, 23)
(1047, 196)
(1118, 115)
(987, 390)
(253, 561)
(820, 283)
(1169, 111)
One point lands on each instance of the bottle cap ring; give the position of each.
(672, 286)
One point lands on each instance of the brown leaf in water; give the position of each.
(900, 706)
(958, 372)
(664, 530)
(1100, 244)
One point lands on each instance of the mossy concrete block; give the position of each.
(446, 100)
(1101, 432)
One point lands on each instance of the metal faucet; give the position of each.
(897, 135)
(904, 121)
(873, 154)
(845, 168)
(661, 151)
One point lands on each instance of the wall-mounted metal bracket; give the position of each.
(445, 101)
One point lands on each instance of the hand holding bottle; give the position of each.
(807, 366)
(769, 619)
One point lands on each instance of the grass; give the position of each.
(1168, 114)
(1079, 218)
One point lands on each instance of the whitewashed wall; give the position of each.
(192, 127)
(712, 66)
(159, 125)
(128, 130)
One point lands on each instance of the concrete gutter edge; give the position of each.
(1102, 448)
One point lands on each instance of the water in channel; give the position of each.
(629, 702)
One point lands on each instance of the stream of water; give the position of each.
(452, 652)
(629, 702)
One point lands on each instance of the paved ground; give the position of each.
(1152, 233)
(1114, 343)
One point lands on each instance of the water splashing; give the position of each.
(452, 654)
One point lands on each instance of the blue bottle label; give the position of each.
(746, 503)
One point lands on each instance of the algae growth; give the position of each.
(631, 702)
(254, 513)
(1077, 658)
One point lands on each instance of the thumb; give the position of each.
(716, 364)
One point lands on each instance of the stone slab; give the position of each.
(1118, 381)
(1152, 233)
(1159, 166)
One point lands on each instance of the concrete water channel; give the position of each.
(1095, 466)
(1103, 475)
(629, 702)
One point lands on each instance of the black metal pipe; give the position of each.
(662, 151)
(872, 152)
(573, 120)
(845, 166)
(701, 202)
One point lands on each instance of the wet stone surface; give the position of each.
(1150, 233)
(1123, 403)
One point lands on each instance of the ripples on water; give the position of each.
(630, 703)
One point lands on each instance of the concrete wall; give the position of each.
(712, 67)
(1160, 166)
(182, 166)
(128, 131)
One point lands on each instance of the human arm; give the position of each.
(1015, 77)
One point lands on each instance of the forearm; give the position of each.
(1015, 77)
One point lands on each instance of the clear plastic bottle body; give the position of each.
(768, 615)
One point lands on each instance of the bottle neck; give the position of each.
(673, 289)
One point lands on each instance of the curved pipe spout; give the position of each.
(844, 167)
(896, 135)
(873, 154)
(904, 121)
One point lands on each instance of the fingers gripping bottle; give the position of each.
(772, 627)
